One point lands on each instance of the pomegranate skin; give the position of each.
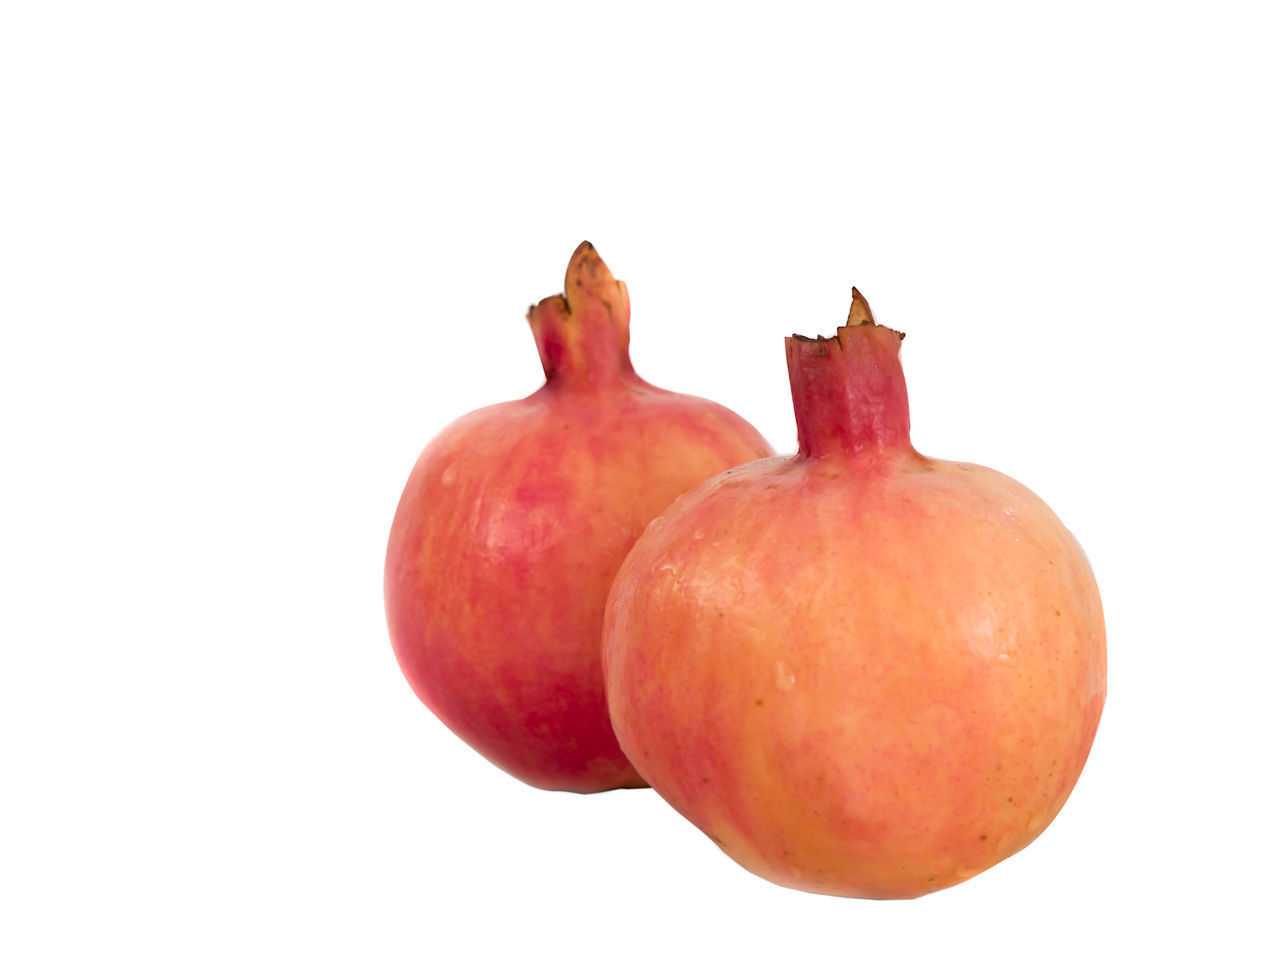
(860, 671)
(511, 527)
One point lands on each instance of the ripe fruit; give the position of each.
(515, 520)
(860, 671)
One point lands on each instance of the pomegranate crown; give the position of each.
(584, 334)
(852, 398)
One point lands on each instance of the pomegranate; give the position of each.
(514, 521)
(860, 671)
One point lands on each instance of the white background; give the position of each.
(254, 255)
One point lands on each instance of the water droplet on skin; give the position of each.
(783, 677)
(450, 474)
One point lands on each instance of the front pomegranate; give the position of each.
(860, 671)
(513, 523)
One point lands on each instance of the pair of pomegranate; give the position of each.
(859, 670)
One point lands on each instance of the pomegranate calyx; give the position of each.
(583, 334)
(854, 398)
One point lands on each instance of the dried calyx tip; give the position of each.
(859, 311)
(860, 315)
(587, 272)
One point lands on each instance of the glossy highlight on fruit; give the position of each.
(861, 671)
(511, 527)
